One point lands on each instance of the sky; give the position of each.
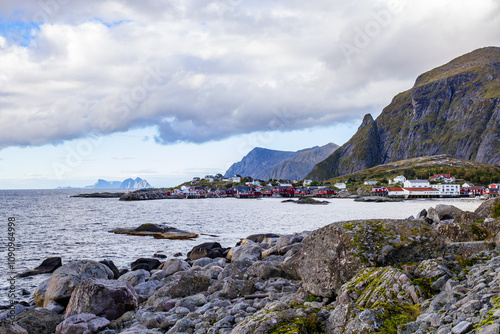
(169, 90)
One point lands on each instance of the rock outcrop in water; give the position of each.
(156, 231)
(377, 276)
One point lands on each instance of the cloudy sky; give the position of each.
(168, 90)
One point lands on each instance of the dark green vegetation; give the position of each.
(453, 109)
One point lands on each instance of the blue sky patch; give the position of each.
(18, 32)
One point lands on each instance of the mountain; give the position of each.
(265, 164)
(453, 109)
(103, 184)
(138, 183)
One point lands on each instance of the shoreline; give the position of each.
(264, 277)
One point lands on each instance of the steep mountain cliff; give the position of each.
(266, 164)
(453, 109)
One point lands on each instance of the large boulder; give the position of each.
(40, 291)
(332, 255)
(105, 298)
(66, 278)
(82, 324)
(465, 230)
(262, 236)
(39, 321)
(489, 208)
(370, 299)
(48, 265)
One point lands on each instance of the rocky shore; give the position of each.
(436, 273)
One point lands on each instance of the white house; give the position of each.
(370, 183)
(416, 184)
(420, 191)
(467, 185)
(340, 185)
(395, 192)
(447, 190)
(399, 179)
(236, 179)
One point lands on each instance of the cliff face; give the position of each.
(267, 164)
(453, 109)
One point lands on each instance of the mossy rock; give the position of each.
(332, 255)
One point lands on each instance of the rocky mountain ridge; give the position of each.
(265, 164)
(453, 109)
(129, 183)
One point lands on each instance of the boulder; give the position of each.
(172, 266)
(251, 252)
(234, 288)
(357, 311)
(82, 324)
(260, 237)
(104, 298)
(465, 229)
(135, 277)
(11, 328)
(156, 231)
(486, 208)
(264, 270)
(111, 265)
(178, 286)
(287, 240)
(40, 291)
(332, 255)
(39, 321)
(146, 264)
(66, 278)
(48, 265)
(446, 212)
(275, 317)
(432, 268)
(235, 269)
(207, 249)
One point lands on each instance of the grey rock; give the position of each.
(332, 255)
(251, 252)
(135, 277)
(82, 324)
(172, 266)
(105, 298)
(40, 321)
(462, 328)
(67, 277)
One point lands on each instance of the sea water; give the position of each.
(51, 223)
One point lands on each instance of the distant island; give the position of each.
(129, 183)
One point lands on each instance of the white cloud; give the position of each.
(208, 70)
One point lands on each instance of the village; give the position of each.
(437, 186)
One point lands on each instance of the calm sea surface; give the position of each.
(50, 223)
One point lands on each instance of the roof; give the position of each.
(395, 189)
(417, 181)
(419, 189)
